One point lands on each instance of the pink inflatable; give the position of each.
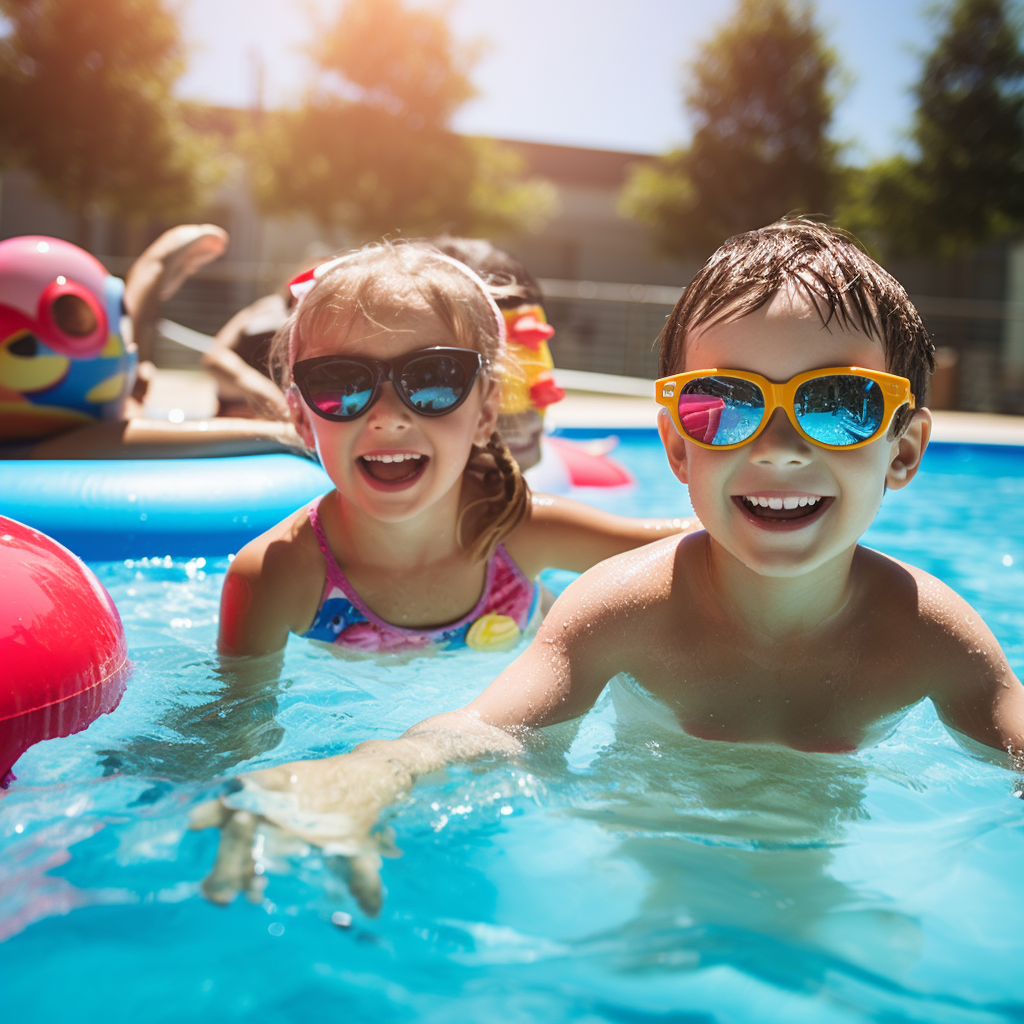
(588, 468)
(63, 655)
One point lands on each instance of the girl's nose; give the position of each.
(389, 412)
(780, 444)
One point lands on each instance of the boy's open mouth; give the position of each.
(401, 467)
(782, 509)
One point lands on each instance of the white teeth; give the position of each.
(400, 457)
(780, 503)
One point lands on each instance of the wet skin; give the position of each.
(392, 520)
(765, 628)
(773, 626)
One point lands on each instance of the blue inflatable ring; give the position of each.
(112, 509)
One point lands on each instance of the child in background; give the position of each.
(73, 338)
(531, 385)
(391, 363)
(795, 370)
(530, 390)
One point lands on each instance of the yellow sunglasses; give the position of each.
(840, 407)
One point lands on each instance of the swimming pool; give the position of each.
(620, 872)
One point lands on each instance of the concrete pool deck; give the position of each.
(594, 400)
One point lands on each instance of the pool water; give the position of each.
(620, 871)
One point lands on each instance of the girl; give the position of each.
(392, 362)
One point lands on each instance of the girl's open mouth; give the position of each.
(771, 511)
(399, 468)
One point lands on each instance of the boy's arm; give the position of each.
(974, 690)
(334, 802)
(567, 534)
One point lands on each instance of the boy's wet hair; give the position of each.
(842, 282)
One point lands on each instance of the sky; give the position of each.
(605, 74)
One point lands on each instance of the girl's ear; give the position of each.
(675, 446)
(300, 416)
(488, 414)
(909, 450)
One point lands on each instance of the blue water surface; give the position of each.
(618, 872)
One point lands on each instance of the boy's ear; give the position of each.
(675, 446)
(909, 450)
(488, 414)
(300, 416)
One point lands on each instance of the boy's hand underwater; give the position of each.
(334, 804)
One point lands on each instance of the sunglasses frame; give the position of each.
(387, 370)
(895, 391)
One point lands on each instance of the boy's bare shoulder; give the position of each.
(938, 632)
(911, 591)
(624, 598)
(642, 574)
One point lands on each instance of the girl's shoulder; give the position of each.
(285, 562)
(272, 588)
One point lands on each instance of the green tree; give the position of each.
(761, 104)
(963, 184)
(86, 106)
(371, 148)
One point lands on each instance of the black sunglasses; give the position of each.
(430, 381)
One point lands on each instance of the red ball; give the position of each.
(63, 653)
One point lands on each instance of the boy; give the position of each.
(791, 370)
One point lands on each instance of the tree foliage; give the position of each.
(760, 102)
(86, 106)
(371, 148)
(963, 185)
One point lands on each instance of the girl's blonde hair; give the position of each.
(377, 280)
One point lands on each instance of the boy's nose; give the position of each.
(780, 444)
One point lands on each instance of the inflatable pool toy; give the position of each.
(63, 655)
(64, 357)
(566, 463)
(134, 508)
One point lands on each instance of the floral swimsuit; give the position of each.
(505, 608)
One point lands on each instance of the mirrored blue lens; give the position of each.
(840, 410)
(340, 388)
(720, 410)
(434, 383)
